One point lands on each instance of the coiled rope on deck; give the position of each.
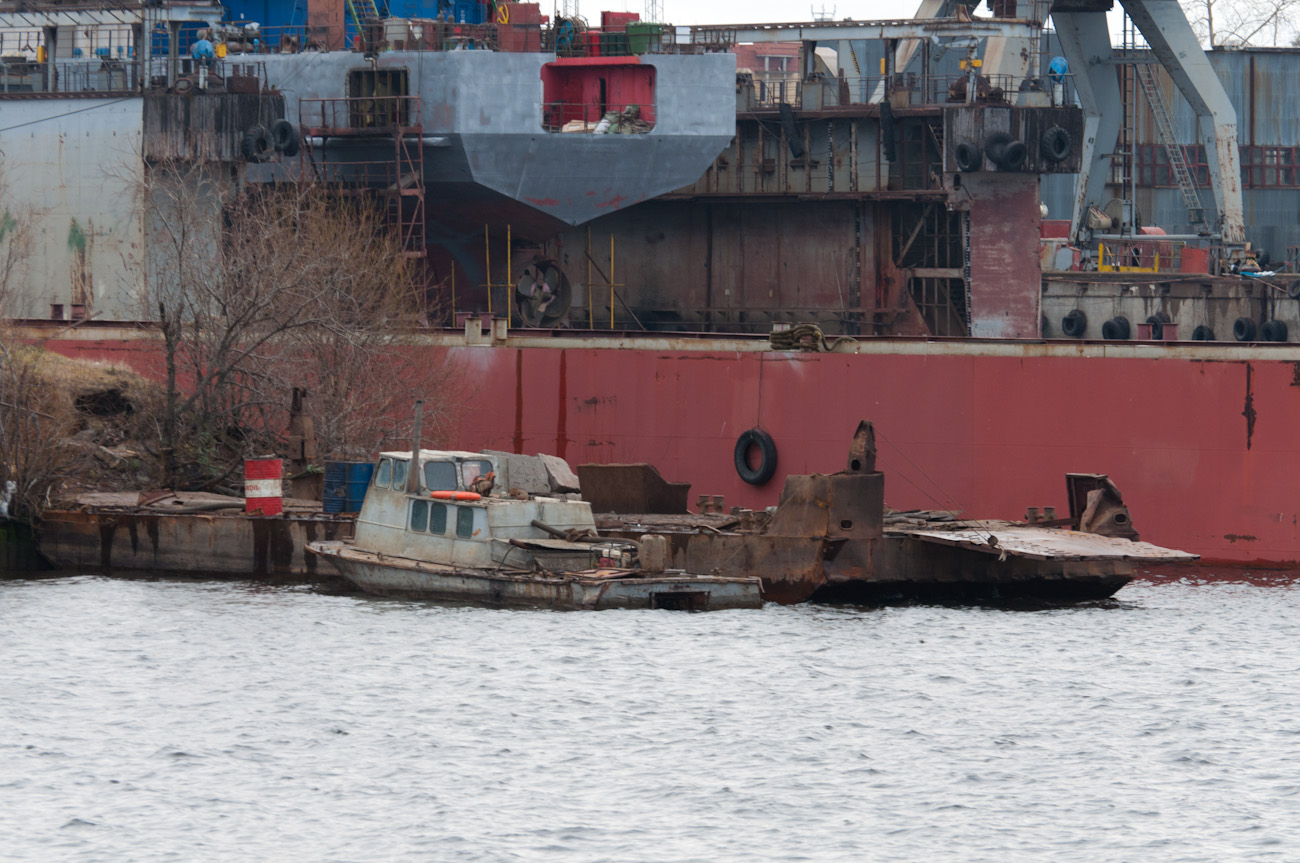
(805, 337)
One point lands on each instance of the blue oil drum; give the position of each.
(345, 484)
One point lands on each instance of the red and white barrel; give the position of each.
(263, 487)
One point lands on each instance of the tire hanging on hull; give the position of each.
(767, 461)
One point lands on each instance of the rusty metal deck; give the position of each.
(1040, 543)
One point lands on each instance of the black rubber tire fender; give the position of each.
(1005, 152)
(969, 157)
(1014, 156)
(285, 137)
(1157, 322)
(1055, 144)
(1202, 334)
(1074, 324)
(1293, 290)
(1116, 329)
(1273, 331)
(1243, 330)
(767, 462)
(257, 145)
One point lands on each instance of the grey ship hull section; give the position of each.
(486, 149)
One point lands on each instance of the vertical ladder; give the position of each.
(1177, 162)
(406, 203)
(394, 176)
(364, 14)
(1141, 61)
(1128, 129)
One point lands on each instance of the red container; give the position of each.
(1195, 260)
(616, 22)
(593, 43)
(263, 486)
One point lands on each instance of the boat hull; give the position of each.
(385, 575)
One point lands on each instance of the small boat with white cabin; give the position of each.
(454, 530)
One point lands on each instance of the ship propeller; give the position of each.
(542, 294)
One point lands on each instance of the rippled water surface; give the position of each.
(210, 721)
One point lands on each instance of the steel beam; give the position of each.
(100, 16)
(1164, 25)
(1085, 41)
(834, 31)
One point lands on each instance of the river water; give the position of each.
(176, 720)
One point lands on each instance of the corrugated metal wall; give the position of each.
(70, 171)
(1261, 83)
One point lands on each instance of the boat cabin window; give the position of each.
(472, 470)
(440, 476)
(419, 515)
(428, 515)
(465, 522)
(384, 474)
(438, 518)
(399, 475)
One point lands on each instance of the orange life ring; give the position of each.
(455, 495)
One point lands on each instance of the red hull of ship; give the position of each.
(1204, 443)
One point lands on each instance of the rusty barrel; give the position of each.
(263, 486)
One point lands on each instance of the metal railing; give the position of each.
(78, 77)
(1146, 255)
(827, 91)
(358, 115)
(111, 75)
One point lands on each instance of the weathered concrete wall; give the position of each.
(69, 174)
(188, 544)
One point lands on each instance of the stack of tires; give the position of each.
(261, 144)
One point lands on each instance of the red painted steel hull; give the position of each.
(1205, 449)
(986, 435)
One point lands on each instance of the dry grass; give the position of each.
(68, 426)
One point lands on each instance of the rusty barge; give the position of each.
(829, 538)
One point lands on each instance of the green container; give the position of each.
(643, 37)
(613, 44)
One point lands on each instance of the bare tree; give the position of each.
(27, 458)
(1242, 23)
(259, 289)
(15, 251)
